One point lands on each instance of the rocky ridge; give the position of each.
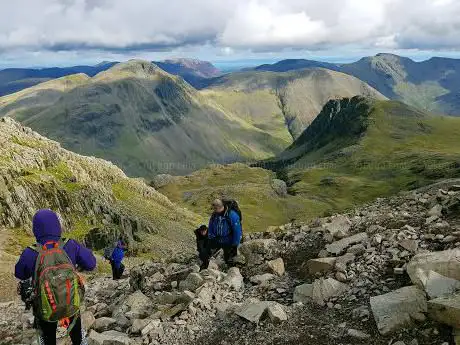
(387, 273)
(95, 199)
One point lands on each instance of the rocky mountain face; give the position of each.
(141, 118)
(95, 199)
(387, 272)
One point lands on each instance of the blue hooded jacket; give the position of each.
(118, 254)
(225, 229)
(46, 227)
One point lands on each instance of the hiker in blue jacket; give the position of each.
(116, 259)
(225, 232)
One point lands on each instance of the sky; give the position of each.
(68, 32)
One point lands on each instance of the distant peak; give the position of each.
(136, 68)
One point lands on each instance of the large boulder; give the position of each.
(280, 187)
(339, 227)
(303, 293)
(193, 282)
(234, 279)
(108, 338)
(320, 291)
(104, 324)
(446, 310)
(256, 311)
(340, 246)
(438, 285)
(87, 319)
(276, 266)
(253, 312)
(320, 265)
(398, 309)
(257, 251)
(324, 289)
(446, 263)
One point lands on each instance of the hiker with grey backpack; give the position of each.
(57, 290)
(224, 232)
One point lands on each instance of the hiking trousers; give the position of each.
(229, 254)
(117, 272)
(47, 332)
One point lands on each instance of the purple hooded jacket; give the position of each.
(46, 227)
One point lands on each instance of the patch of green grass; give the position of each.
(81, 225)
(27, 143)
(18, 240)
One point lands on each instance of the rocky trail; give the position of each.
(387, 273)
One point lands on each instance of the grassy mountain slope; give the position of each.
(268, 98)
(94, 198)
(431, 85)
(359, 149)
(142, 118)
(356, 150)
(254, 188)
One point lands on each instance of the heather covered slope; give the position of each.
(141, 118)
(268, 98)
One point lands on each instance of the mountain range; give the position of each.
(16, 79)
(432, 85)
(149, 121)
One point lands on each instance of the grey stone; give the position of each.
(234, 279)
(277, 266)
(437, 285)
(276, 312)
(193, 282)
(339, 226)
(324, 289)
(104, 324)
(446, 263)
(303, 293)
(262, 278)
(320, 265)
(435, 211)
(340, 246)
(108, 338)
(398, 309)
(87, 320)
(356, 334)
(445, 310)
(252, 312)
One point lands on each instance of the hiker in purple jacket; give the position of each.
(47, 227)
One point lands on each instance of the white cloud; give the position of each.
(268, 25)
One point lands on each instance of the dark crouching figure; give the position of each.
(225, 231)
(202, 245)
(57, 289)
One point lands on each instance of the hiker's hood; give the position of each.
(46, 226)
